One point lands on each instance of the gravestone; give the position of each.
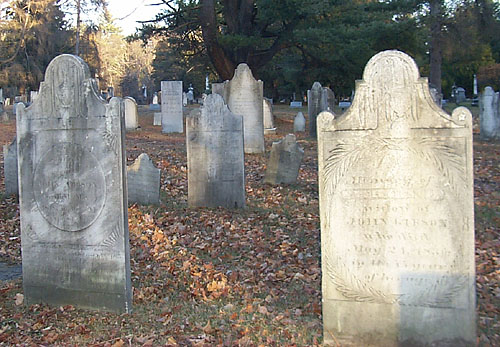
(284, 164)
(396, 208)
(154, 106)
(1, 96)
(184, 99)
(10, 168)
(489, 114)
(243, 95)
(216, 172)
(218, 88)
(296, 104)
(267, 108)
(131, 116)
(33, 95)
(460, 95)
(3, 114)
(143, 181)
(436, 96)
(171, 107)
(314, 106)
(299, 123)
(73, 203)
(327, 99)
(157, 118)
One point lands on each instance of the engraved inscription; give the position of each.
(69, 187)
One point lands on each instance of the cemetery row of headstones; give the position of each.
(395, 191)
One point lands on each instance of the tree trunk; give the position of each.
(223, 64)
(77, 43)
(436, 56)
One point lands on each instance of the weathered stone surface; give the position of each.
(157, 118)
(131, 115)
(284, 164)
(143, 181)
(73, 203)
(216, 172)
(396, 207)
(314, 106)
(268, 117)
(299, 123)
(171, 107)
(243, 95)
(10, 168)
(489, 114)
(218, 88)
(327, 101)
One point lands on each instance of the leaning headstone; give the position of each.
(284, 164)
(299, 123)
(489, 114)
(10, 168)
(157, 118)
(396, 208)
(131, 115)
(73, 203)
(268, 117)
(243, 95)
(143, 181)
(314, 106)
(216, 172)
(171, 107)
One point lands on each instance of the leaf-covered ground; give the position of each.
(224, 277)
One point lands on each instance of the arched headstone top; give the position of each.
(391, 68)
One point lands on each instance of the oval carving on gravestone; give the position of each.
(69, 187)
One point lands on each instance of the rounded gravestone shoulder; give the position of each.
(69, 187)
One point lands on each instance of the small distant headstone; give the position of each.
(460, 95)
(143, 181)
(268, 117)
(157, 118)
(299, 123)
(344, 105)
(327, 99)
(314, 106)
(155, 106)
(3, 114)
(436, 96)
(296, 104)
(1, 96)
(489, 114)
(131, 115)
(396, 208)
(73, 206)
(216, 172)
(284, 164)
(184, 99)
(243, 95)
(14, 107)
(171, 107)
(10, 168)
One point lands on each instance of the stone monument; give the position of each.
(143, 181)
(243, 95)
(489, 114)
(299, 123)
(73, 203)
(396, 208)
(284, 163)
(171, 107)
(216, 171)
(268, 117)
(327, 101)
(10, 168)
(314, 106)
(131, 116)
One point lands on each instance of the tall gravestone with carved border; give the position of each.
(243, 95)
(396, 207)
(171, 107)
(73, 203)
(216, 172)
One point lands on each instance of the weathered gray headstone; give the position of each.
(436, 96)
(1, 96)
(157, 118)
(327, 102)
(4, 117)
(284, 164)
(10, 168)
(314, 106)
(489, 114)
(296, 104)
(143, 181)
(216, 172)
(299, 123)
(171, 107)
(268, 117)
(154, 106)
(396, 207)
(460, 95)
(131, 115)
(73, 203)
(243, 95)
(218, 88)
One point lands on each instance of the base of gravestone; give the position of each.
(271, 131)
